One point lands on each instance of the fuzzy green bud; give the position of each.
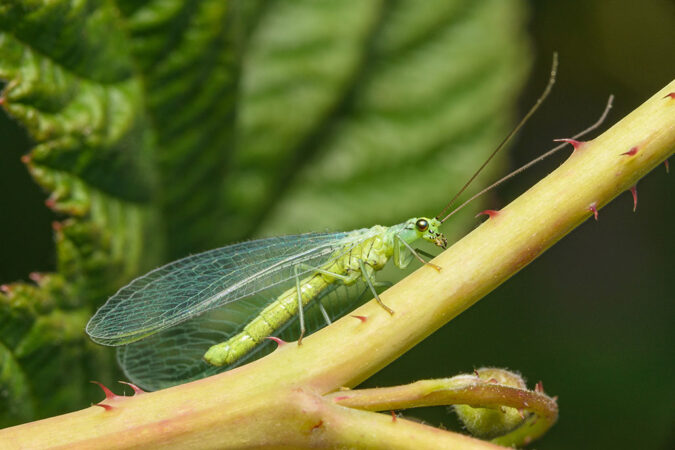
(488, 423)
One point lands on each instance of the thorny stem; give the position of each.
(280, 400)
(464, 390)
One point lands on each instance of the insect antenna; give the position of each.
(502, 144)
(522, 122)
(536, 160)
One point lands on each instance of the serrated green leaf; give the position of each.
(70, 83)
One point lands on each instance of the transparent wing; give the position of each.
(189, 287)
(174, 356)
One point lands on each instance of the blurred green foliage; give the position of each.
(161, 128)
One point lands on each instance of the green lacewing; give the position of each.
(213, 311)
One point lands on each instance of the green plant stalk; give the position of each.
(280, 400)
(461, 390)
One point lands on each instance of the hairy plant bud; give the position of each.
(488, 423)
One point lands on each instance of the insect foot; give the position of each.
(437, 267)
(385, 307)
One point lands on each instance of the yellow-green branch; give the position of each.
(280, 400)
(537, 410)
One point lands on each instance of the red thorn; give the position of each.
(489, 212)
(104, 406)
(36, 276)
(109, 395)
(671, 95)
(594, 209)
(50, 203)
(393, 416)
(632, 152)
(493, 381)
(475, 372)
(57, 226)
(576, 144)
(279, 341)
(539, 387)
(137, 390)
(667, 166)
(5, 288)
(25, 159)
(2, 100)
(361, 318)
(555, 398)
(339, 399)
(317, 425)
(633, 191)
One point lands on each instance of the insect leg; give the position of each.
(325, 272)
(301, 313)
(412, 250)
(387, 284)
(376, 283)
(324, 313)
(367, 277)
(423, 253)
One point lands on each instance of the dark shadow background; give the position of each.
(592, 317)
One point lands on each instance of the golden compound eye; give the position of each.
(422, 225)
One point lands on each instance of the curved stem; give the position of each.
(464, 390)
